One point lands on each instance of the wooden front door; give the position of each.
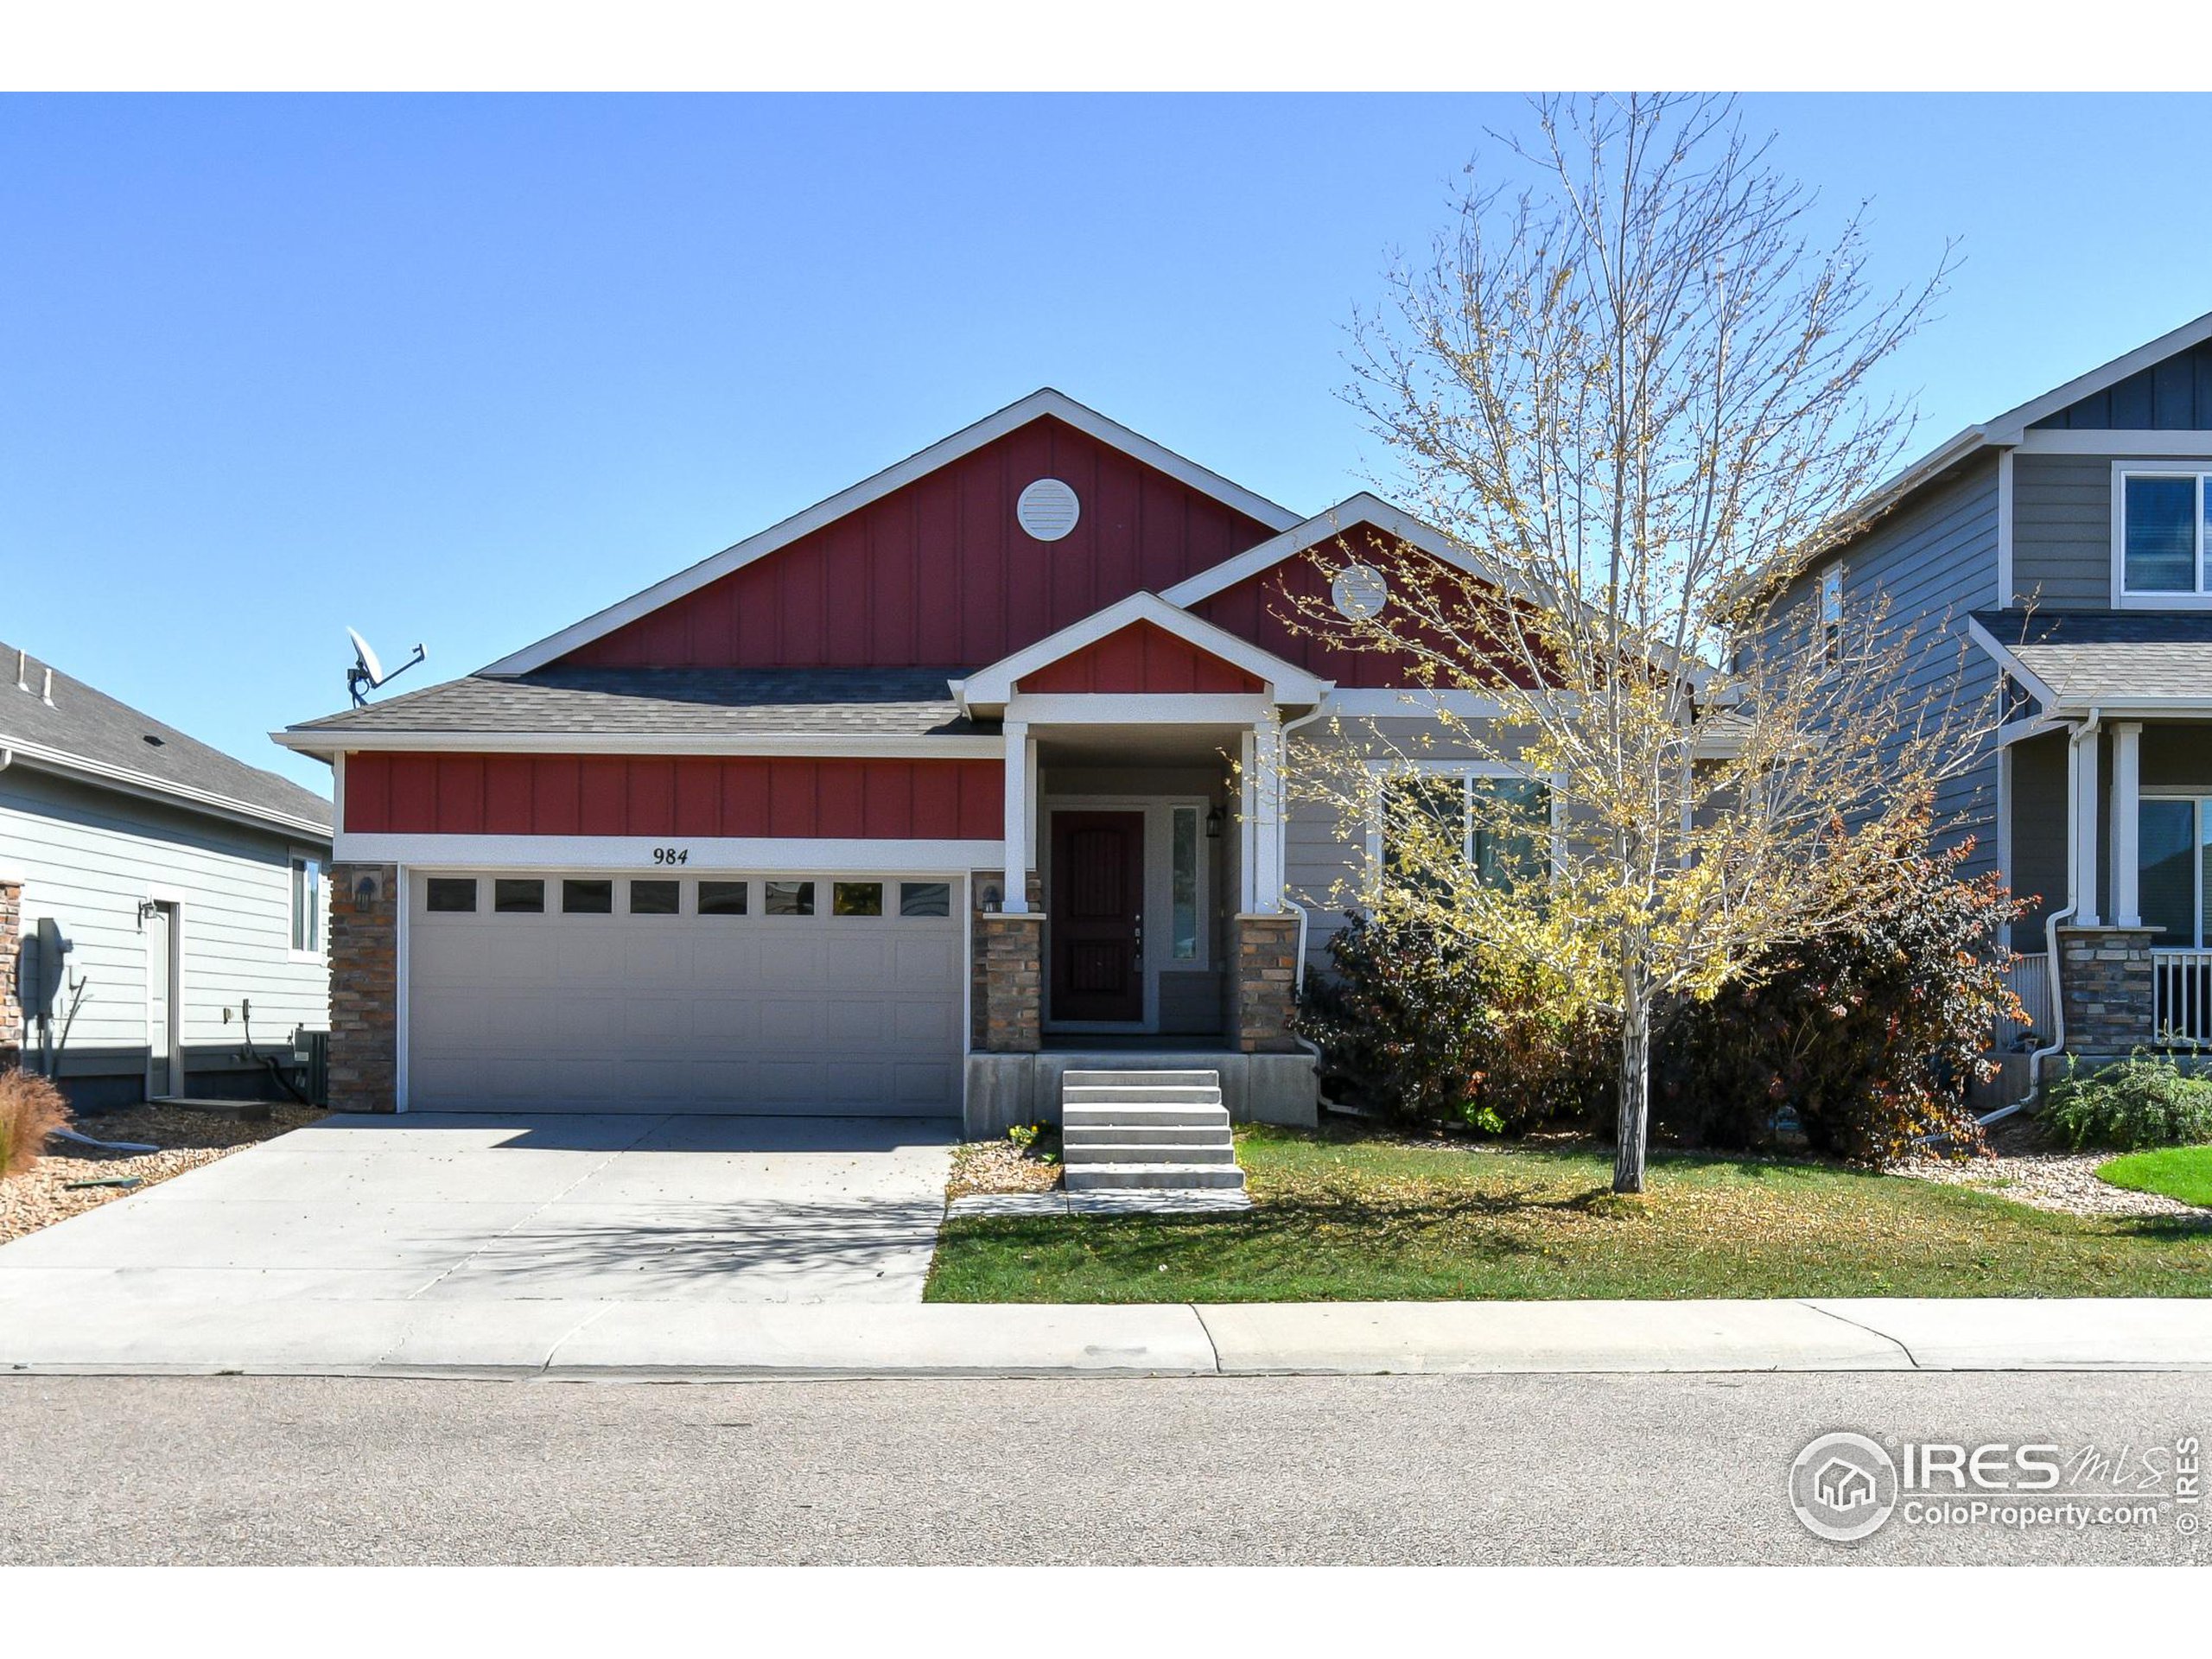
(1096, 907)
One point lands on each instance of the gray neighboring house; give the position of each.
(2059, 555)
(157, 898)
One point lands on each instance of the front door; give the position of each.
(1096, 907)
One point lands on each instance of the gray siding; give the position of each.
(2062, 532)
(1935, 560)
(87, 857)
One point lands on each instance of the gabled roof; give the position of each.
(1038, 404)
(990, 687)
(2072, 662)
(87, 735)
(1362, 509)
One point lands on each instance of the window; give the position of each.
(516, 896)
(306, 904)
(722, 898)
(655, 898)
(1183, 884)
(2162, 532)
(925, 899)
(591, 897)
(452, 894)
(856, 899)
(2171, 850)
(1831, 610)
(1501, 826)
(787, 898)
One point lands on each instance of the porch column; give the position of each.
(1263, 818)
(2087, 773)
(1016, 902)
(2126, 793)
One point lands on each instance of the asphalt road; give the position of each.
(1431, 1469)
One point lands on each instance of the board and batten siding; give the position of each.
(1934, 562)
(88, 857)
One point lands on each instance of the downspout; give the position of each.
(2086, 732)
(1282, 862)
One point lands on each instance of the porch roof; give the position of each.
(2073, 661)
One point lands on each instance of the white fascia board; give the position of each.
(992, 686)
(2172, 708)
(2006, 659)
(837, 745)
(2012, 426)
(1045, 402)
(157, 789)
(1121, 708)
(801, 856)
(1413, 703)
(2124, 442)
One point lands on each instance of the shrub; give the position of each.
(1870, 1031)
(2143, 1102)
(30, 1108)
(1427, 1034)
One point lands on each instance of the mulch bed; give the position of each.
(2024, 1165)
(38, 1197)
(1001, 1166)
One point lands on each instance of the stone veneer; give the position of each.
(12, 987)
(1012, 951)
(364, 988)
(2105, 982)
(1264, 949)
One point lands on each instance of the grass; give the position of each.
(1343, 1217)
(2183, 1172)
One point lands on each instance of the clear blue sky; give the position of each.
(464, 370)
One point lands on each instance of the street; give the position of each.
(1440, 1469)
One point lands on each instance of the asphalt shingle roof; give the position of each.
(87, 725)
(2085, 656)
(674, 701)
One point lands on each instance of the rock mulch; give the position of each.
(2027, 1167)
(39, 1196)
(993, 1166)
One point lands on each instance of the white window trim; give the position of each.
(1466, 771)
(2124, 598)
(321, 859)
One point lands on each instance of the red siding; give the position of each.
(660, 795)
(937, 574)
(1261, 607)
(1142, 658)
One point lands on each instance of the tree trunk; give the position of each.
(1636, 1090)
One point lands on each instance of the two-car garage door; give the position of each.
(676, 993)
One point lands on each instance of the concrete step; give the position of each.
(1165, 1095)
(1121, 1132)
(1109, 1114)
(1092, 1178)
(1133, 1152)
(1155, 1079)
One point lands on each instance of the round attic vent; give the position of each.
(1048, 509)
(1359, 591)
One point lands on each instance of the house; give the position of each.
(2063, 545)
(162, 903)
(967, 775)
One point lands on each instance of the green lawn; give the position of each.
(1339, 1217)
(2184, 1172)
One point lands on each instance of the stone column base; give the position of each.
(1263, 957)
(2105, 986)
(364, 988)
(1012, 951)
(11, 986)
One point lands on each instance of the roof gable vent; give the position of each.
(1048, 509)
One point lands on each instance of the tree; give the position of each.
(1633, 396)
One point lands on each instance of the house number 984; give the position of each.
(671, 855)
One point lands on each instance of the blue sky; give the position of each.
(463, 369)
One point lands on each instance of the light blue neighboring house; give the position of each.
(163, 910)
(2059, 555)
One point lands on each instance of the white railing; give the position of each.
(2181, 999)
(2029, 978)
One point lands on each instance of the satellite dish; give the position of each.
(367, 673)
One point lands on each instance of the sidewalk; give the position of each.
(51, 1321)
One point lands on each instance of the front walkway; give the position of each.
(434, 1220)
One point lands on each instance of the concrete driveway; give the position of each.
(446, 1208)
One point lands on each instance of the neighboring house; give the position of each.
(2057, 556)
(160, 901)
(899, 806)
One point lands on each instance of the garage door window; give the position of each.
(511, 896)
(452, 894)
(925, 899)
(655, 898)
(722, 898)
(856, 899)
(586, 897)
(787, 898)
